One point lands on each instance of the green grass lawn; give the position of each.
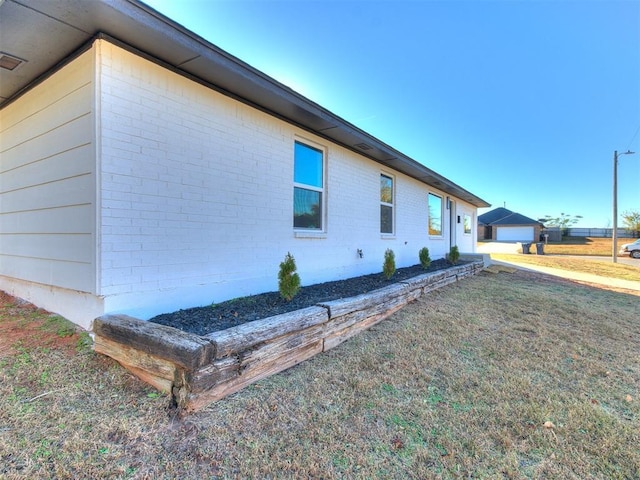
(508, 375)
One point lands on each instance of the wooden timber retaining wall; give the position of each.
(198, 370)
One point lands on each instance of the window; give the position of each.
(386, 204)
(435, 215)
(308, 187)
(467, 224)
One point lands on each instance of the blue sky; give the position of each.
(520, 102)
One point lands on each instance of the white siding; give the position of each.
(197, 194)
(47, 182)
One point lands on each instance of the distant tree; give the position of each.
(631, 219)
(564, 222)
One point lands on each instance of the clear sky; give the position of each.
(520, 102)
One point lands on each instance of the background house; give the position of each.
(144, 170)
(504, 225)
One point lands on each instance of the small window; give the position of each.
(435, 215)
(386, 204)
(308, 187)
(467, 224)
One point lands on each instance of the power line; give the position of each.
(634, 137)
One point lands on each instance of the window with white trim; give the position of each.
(386, 204)
(435, 215)
(308, 187)
(467, 224)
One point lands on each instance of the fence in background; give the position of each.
(601, 232)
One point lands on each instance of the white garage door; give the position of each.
(515, 234)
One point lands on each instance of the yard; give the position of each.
(584, 246)
(603, 268)
(502, 375)
(580, 246)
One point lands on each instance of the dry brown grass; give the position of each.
(456, 385)
(594, 246)
(584, 246)
(593, 267)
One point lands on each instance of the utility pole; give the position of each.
(614, 234)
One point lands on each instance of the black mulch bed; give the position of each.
(220, 316)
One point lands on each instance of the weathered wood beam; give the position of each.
(149, 368)
(236, 339)
(343, 306)
(196, 401)
(185, 349)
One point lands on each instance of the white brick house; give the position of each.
(144, 170)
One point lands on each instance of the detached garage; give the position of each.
(503, 225)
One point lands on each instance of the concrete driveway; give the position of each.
(499, 247)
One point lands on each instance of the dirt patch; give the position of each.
(212, 318)
(23, 326)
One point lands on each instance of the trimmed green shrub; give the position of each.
(389, 265)
(425, 259)
(288, 279)
(454, 255)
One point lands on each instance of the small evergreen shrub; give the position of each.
(454, 255)
(425, 259)
(288, 279)
(389, 265)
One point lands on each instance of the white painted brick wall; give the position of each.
(197, 197)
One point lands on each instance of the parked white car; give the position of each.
(631, 249)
